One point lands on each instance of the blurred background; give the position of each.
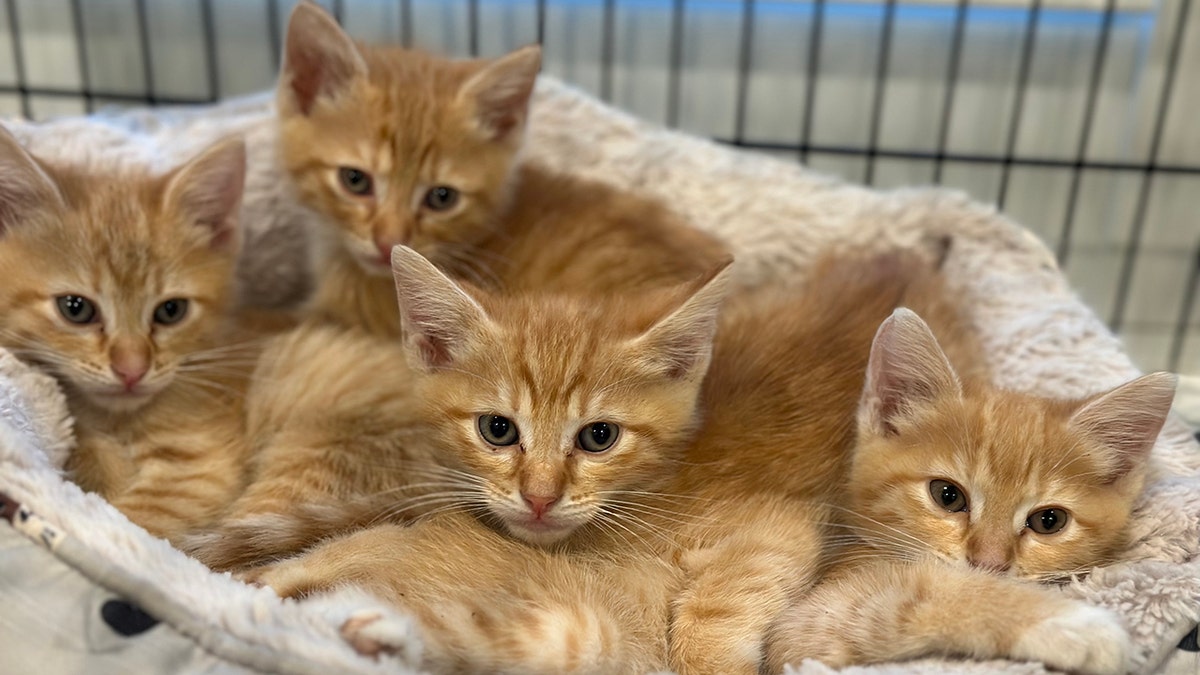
(1077, 117)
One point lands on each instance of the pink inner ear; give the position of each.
(223, 236)
(305, 81)
(434, 352)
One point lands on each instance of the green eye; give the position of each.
(171, 311)
(356, 181)
(1048, 521)
(441, 198)
(598, 436)
(948, 495)
(76, 308)
(497, 430)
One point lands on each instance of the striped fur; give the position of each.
(167, 450)
(950, 581)
(709, 482)
(415, 121)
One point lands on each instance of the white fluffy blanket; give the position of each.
(775, 216)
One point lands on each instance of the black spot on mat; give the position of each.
(1189, 642)
(126, 618)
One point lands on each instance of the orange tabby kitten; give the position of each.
(531, 230)
(547, 431)
(559, 424)
(956, 491)
(395, 146)
(119, 286)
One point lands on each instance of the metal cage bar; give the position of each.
(1030, 31)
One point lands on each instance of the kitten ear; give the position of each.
(438, 318)
(207, 191)
(907, 367)
(24, 184)
(1127, 419)
(319, 59)
(680, 344)
(497, 97)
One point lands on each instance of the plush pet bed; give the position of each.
(83, 590)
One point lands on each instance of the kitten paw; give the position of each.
(289, 579)
(253, 576)
(371, 634)
(1084, 639)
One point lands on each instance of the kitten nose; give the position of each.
(385, 250)
(539, 503)
(130, 372)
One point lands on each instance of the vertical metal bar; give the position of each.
(953, 67)
(881, 75)
(1085, 133)
(814, 69)
(276, 40)
(1185, 313)
(143, 27)
(338, 10)
(541, 22)
(1125, 278)
(210, 50)
(1014, 127)
(745, 56)
(85, 78)
(406, 23)
(14, 28)
(674, 75)
(607, 45)
(473, 26)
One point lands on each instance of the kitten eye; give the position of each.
(356, 181)
(441, 198)
(948, 495)
(171, 311)
(76, 309)
(1048, 521)
(598, 436)
(497, 430)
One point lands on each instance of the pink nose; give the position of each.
(385, 250)
(539, 503)
(130, 373)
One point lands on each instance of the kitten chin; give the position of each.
(116, 399)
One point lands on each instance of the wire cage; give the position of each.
(1073, 116)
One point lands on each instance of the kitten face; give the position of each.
(558, 408)
(114, 283)
(1009, 483)
(398, 147)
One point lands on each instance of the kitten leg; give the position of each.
(741, 574)
(891, 611)
(181, 484)
(331, 415)
(484, 603)
(300, 495)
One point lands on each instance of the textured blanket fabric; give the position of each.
(774, 215)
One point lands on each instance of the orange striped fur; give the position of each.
(166, 449)
(940, 578)
(412, 123)
(714, 554)
(709, 479)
